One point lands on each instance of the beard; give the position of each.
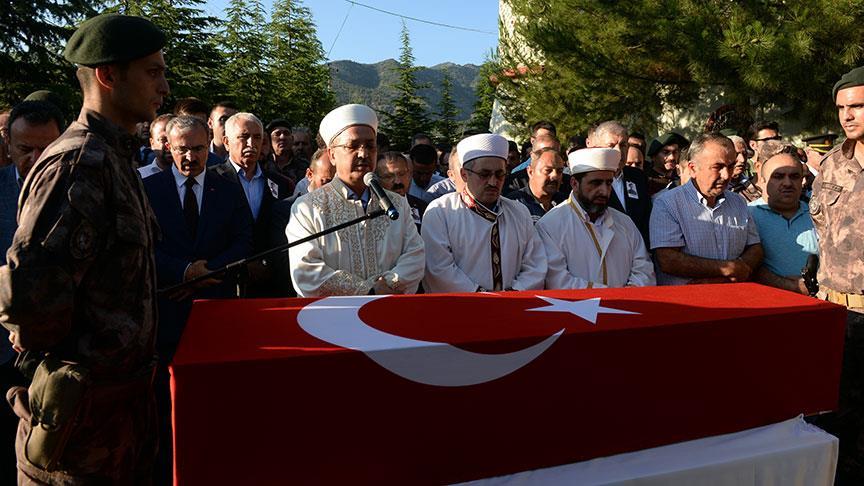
(592, 206)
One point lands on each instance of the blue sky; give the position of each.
(370, 36)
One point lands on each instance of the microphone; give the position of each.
(371, 180)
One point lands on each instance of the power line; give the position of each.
(439, 24)
(340, 29)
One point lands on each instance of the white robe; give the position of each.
(349, 261)
(459, 248)
(580, 252)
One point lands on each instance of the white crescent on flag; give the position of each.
(336, 320)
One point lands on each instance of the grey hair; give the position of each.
(186, 122)
(231, 123)
(700, 142)
(610, 126)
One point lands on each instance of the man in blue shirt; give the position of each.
(783, 220)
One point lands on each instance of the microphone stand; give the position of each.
(238, 268)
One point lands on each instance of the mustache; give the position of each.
(398, 185)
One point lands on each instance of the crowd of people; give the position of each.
(90, 240)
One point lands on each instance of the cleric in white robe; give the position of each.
(377, 256)
(475, 239)
(589, 244)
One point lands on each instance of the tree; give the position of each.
(484, 93)
(32, 37)
(300, 76)
(599, 60)
(409, 110)
(193, 63)
(246, 72)
(446, 125)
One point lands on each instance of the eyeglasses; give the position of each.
(185, 150)
(488, 174)
(354, 148)
(766, 139)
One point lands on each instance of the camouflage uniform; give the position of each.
(838, 196)
(80, 287)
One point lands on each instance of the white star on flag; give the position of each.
(586, 309)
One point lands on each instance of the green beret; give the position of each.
(851, 79)
(667, 139)
(113, 38)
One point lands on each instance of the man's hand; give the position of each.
(16, 343)
(736, 270)
(381, 288)
(195, 270)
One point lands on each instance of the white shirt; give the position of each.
(197, 189)
(150, 169)
(459, 249)
(606, 253)
(349, 261)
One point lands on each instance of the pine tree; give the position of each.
(193, 63)
(484, 93)
(246, 72)
(300, 76)
(409, 110)
(446, 125)
(32, 37)
(600, 60)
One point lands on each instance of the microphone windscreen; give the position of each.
(369, 177)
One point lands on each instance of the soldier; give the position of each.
(78, 293)
(838, 196)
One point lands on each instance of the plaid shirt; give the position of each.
(682, 219)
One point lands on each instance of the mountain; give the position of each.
(371, 84)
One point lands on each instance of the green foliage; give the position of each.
(298, 70)
(32, 37)
(193, 62)
(446, 126)
(485, 93)
(245, 72)
(409, 110)
(626, 60)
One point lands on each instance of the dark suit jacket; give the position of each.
(8, 209)
(279, 217)
(261, 277)
(224, 235)
(638, 207)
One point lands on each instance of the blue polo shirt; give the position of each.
(786, 242)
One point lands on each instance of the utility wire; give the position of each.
(340, 29)
(439, 24)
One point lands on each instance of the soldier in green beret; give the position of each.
(838, 196)
(78, 294)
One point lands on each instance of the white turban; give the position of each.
(591, 159)
(344, 117)
(482, 145)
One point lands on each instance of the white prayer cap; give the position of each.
(344, 117)
(482, 145)
(591, 159)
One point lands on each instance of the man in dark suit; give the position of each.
(33, 125)
(244, 135)
(629, 186)
(205, 225)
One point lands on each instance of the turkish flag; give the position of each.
(448, 388)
